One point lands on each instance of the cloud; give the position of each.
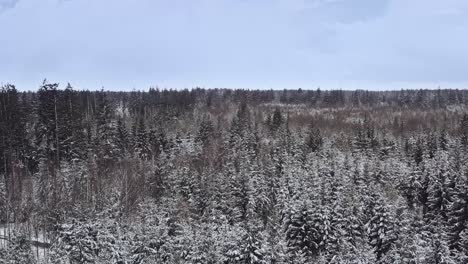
(7, 4)
(350, 11)
(280, 43)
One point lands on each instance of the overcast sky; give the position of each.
(127, 44)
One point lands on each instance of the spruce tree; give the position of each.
(48, 125)
(314, 139)
(458, 215)
(14, 143)
(141, 146)
(410, 187)
(440, 192)
(276, 120)
(71, 131)
(381, 230)
(122, 139)
(205, 132)
(464, 130)
(104, 140)
(3, 200)
(252, 251)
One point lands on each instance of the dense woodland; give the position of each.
(235, 176)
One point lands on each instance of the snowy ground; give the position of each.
(39, 252)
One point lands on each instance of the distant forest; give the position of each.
(233, 176)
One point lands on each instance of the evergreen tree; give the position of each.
(411, 187)
(13, 134)
(443, 140)
(159, 142)
(276, 120)
(464, 130)
(431, 145)
(18, 251)
(303, 234)
(377, 191)
(440, 253)
(361, 141)
(458, 215)
(314, 140)
(3, 200)
(252, 252)
(381, 230)
(47, 136)
(463, 255)
(104, 144)
(122, 138)
(418, 154)
(440, 192)
(141, 147)
(423, 190)
(71, 132)
(48, 125)
(205, 132)
(80, 241)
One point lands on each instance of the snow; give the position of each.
(9, 229)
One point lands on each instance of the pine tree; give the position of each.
(387, 148)
(71, 132)
(159, 142)
(80, 241)
(252, 252)
(458, 215)
(423, 191)
(3, 200)
(303, 234)
(141, 147)
(14, 143)
(240, 125)
(42, 190)
(314, 140)
(440, 253)
(48, 126)
(122, 138)
(277, 120)
(463, 255)
(410, 187)
(381, 230)
(157, 181)
(440, 192)
(431, 145)
(331, 214)
(205, 132)
(232, 248)
(407, 248)
(370, 133)
(418, 154)
(239, 197)
(361, 142)
(464, 130)
(443, 141)
(331, 234)
(18, 251)
(275, 244)
(47, 136)
(105, 147)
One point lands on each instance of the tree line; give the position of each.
(235, 176)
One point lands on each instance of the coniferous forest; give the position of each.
(233, 176)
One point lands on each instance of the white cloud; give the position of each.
(6, 4)
(137, 43)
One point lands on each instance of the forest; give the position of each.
(233, 176)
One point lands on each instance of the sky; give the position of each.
(257, 44)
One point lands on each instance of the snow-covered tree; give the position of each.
(381, 229)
